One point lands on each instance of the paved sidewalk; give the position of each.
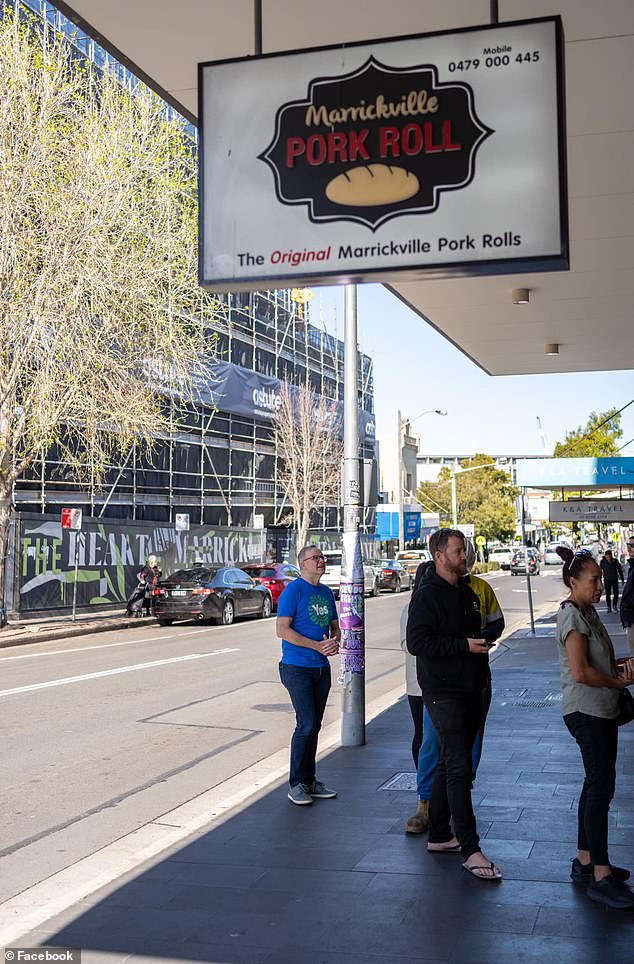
(340, 882)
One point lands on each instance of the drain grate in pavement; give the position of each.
(400, 781)
(273, 707)
(551, 699)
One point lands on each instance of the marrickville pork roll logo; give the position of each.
(375, 144)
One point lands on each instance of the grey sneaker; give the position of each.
(299, 795)
(320, 790)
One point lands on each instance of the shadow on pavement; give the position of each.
(340, 882)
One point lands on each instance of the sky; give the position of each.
(496, 415)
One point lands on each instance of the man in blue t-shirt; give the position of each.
(308, 626)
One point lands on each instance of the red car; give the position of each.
(275, 576)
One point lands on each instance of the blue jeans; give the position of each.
(308, 688)
(429, 754)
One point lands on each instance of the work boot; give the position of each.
(419, 823)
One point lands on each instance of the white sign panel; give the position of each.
(375, 161)
(467, 529)
(181, 521)
(592, 510)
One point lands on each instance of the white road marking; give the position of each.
(112, 672)
(85, 649)
(66, 888)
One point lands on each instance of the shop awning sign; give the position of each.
(441, 153)
(592, 510)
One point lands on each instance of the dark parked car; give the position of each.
(275, 576)
(203, 592)
(518, 562)
(393, 575)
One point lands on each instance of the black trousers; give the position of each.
(612, 591)
(308, 688)
(416, 709)
(456, 722)
(597, 739)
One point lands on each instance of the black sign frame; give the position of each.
(407, 273)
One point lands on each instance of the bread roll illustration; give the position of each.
(372, 185)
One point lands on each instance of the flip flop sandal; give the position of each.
(496, 875)
(442, 849)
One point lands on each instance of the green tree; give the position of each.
(98, 284)
(486, 497)
(599, 436)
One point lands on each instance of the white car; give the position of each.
(332, 576)
(550, 555)
(502, 555)
(412, 558)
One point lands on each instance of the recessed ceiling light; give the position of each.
(520, 296)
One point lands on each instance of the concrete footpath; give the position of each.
(339, 881)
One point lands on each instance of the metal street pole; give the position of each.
(454, 500)
(528, 575)
(77, 536)
(401, 509)
(351, 592)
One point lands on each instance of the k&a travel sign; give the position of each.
(441, 153)
(592, 510)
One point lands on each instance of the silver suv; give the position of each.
(332, 576)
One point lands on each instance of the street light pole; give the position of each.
(352, 588)
(454, 494)
(401, 488)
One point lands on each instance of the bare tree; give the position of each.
(307, 429)
(98, 285)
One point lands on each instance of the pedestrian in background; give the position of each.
(612, 572)
(444, 633)
(308, 626)
(151, 574)
(626, 611)
(592, 679)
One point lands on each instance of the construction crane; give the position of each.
(542, 434)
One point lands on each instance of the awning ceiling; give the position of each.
(589, 310)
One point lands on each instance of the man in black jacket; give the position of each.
(612, 572)
(452, 666)
(627, 599)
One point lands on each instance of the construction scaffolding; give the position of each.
(221, 468)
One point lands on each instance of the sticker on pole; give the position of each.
(71, 519)
(181, 522)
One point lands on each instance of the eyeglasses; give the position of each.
(630, 545)
(319, 556)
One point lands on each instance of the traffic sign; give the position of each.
(71, 518)
(467, 529)
(480, 541)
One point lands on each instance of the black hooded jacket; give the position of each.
(441, 618)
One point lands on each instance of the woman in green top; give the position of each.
(592, 679)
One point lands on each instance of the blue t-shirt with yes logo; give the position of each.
(311, 610)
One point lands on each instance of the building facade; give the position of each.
(219, 464)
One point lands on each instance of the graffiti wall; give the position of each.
(109, 556)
